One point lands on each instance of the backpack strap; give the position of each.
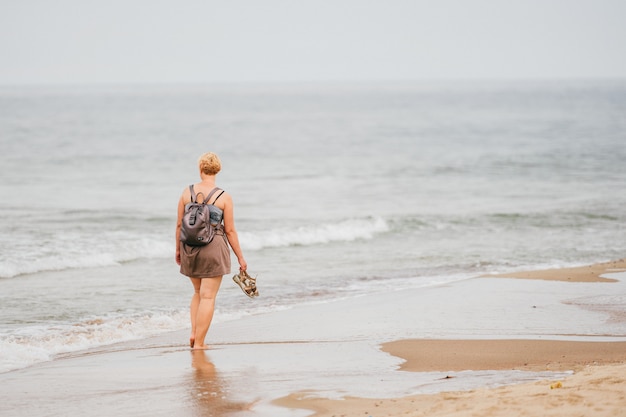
(219, 195)
(213, 191)
(193, 194)
(206, 200)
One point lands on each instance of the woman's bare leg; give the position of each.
(193, 308)
(206, 307)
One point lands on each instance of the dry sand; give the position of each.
(595, 391)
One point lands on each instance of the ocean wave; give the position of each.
(74, 250)
(101, 240)
(344, 231)
(34, 344)
(552, 219)
(61, 250)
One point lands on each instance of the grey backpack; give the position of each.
(196, 228)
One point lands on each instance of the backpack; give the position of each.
(196, 228)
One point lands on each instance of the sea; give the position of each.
(340, 190)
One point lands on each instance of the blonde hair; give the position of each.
(209, 164)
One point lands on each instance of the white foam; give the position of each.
(343, 231)
(73, 250)
(67, 253)
(33, 344)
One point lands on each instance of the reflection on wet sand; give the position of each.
(210, 392)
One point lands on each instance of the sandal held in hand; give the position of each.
(246, 283)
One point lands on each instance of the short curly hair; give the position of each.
(209, 163)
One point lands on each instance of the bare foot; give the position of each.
(192, 341)
(201, 347)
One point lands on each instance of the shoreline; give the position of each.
(349, 352)
(526, 355)
(587, 273)
(593, 391)
(597, 385)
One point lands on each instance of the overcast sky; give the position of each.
(129, 41)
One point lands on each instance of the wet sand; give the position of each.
(480, 345)
(597, 391)
(587, 273)
(596, 387)
(526, 355)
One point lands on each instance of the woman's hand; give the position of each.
(177, 257)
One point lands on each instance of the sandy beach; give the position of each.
(514, 347)
(593, 391)
(597, 386)
(587, 273)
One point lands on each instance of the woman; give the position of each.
(205, 265)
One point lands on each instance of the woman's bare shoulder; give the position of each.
(185, 195)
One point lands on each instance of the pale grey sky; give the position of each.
(129, 41)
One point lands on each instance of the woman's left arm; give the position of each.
(181, 210)
(231, 232)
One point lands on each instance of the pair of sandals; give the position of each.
(246, 283)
